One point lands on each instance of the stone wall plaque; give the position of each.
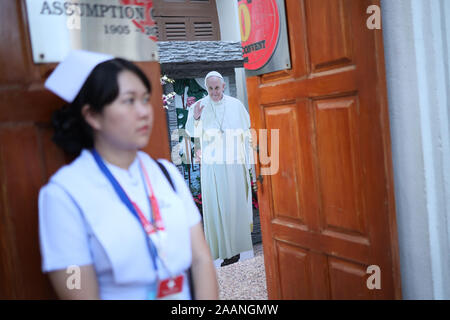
(122, 28)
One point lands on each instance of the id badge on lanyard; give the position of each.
(168, 289)
(172, 287)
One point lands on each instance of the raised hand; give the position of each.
(198, 110)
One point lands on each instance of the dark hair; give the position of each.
(72, 133)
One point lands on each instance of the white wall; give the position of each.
(416, 40)
(228, 20)
(230, 31)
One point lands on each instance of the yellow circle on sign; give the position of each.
(246, 24)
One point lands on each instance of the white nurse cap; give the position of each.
(69, 76)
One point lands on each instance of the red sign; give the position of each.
(146, 26)
(260, 30)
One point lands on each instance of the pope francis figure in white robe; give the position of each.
(222, 123)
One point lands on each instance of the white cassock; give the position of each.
(224, 135)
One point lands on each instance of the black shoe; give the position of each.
(231, 260)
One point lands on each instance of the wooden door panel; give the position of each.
(20, 178)
(13, 70)
(347, 280)
(329, 211)
(343, 80)
(286, 204)
(52, 156)
(15, 106)
(339, 164)
(298, 284)
(352, 248)
(310, 279)
(328, 33)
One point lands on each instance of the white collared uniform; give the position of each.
(83, 221)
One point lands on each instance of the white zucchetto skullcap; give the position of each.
(213, 74)
(69, 76)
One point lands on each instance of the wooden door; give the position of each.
(328, 213)
(27, 155)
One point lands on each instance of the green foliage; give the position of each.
(194, 90)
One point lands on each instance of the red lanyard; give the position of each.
(149, 227)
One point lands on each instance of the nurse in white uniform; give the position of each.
(112, 225)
